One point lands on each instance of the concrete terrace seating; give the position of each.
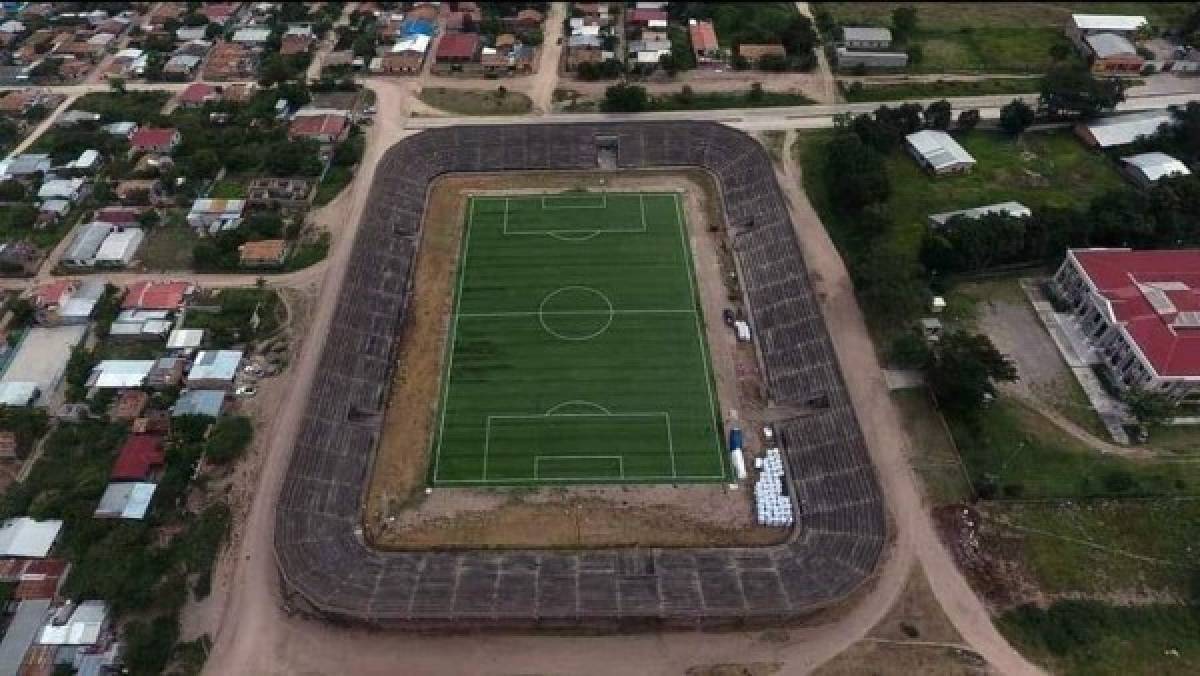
(841, 529)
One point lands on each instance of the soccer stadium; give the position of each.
(576, 354)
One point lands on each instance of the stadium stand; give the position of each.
(326, 567)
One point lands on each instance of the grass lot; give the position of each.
(1037, 169)
(995, 37)
(1099, 547)
(168, 248)
(308, 251)
(1026, 456)
(230, 189)
(576, 353)
(13, 228)
(718, 100)
(933, 454)
(476, 101)
(859, 93)
(230, 325)
(1094, 639)
(335, 181)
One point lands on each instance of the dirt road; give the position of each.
(543, 82)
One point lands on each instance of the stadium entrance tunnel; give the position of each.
(841, 527)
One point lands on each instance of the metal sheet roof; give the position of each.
(28, 538)
(866, 34)
(82, 629)
(939, 148)
(216, 365)
(18, 393)
(182, 339)
(126, 500)
(199, 402)
(21, 633)
(112, 373)
(1108, 22)
(1110, 44)
(1116, 131)
(1005, 208)
(1154, 166)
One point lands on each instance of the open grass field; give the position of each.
(576, 351)
(476, 101)
(993, 37)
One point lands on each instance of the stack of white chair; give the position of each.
(773, 507)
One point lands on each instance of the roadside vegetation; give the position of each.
(627, 98)
(499, 101)
(857, 92)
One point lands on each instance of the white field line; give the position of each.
(712, 404)
(534, 313)
(603, 201)
(462, 272)
(487, 438)
(620, 464)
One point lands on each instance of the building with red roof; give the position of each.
(704, 42)
(643, 17)
(197, 94)
(152, 140)
(1140, 314)
(328, 128)
(219, 12)
(140, 458)
(457, 48)
(151, 295)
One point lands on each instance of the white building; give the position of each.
(26, 538)
(938, 152)
(120, 373)
(213, 215)
(119, 247)
(1120, 130)
(1148, 168)
(1139, 313)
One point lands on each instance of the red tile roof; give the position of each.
(156, 295)
(647, 15)
(149, 137)
(118, 215)
(140, 455)
(318, 125)
(458, 46)
(1153, 295)
(197, 92)
(51, 293)
(704, 36)
(35, 578)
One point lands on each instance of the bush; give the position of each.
(228, 439)
(148, 644)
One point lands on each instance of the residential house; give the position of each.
(88, 162)
(198, 94)
(185, 339)
(119, 374)
(938, 152)
(154, 140)
(583, 49)
(139, 191)
(83, 247)
(213, 215)
(20, 102)
(1120, 130)
(1112, 54)
(704, 43)
(866, 38)
(74, 117)
(25, 167)
(18, 395)
(189, 33)
(1139, 312)
(181, 66)
(19, 258)
(848, 59)
(166, 372)
(279, 192)
(648, 52)
(162, 14)
(252, 37)
(456, 53)
(214, 369)
(219, 12)
(642, 18)
(1081, 26)
(70, 189)
(230, 61)
(406, 56)
(125, 500)
(209, 403)
(118, 215)
(67, 302)
(267, 253)
(153, 295)
(28, 538)
(1146, 169)
(129, 405)
(119, 247)
(523, 21)
(141, 458)
(324, 128)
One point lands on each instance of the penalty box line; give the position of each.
(487, 434)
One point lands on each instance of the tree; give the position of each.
(668, 64)
(1060, 51)
(756, 93)
(229, 437)
(1072, 90)
(904, 23)
(939, 114)
(968, 119)
(889, 284)
(204, 164)
(1016, 116)
(1150, 408)
(12, 191)
(625, 98)
(117, 84)
(686, 94)
(963, 368)
(916, 54)
(855, 173)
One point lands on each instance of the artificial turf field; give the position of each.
(576, 353)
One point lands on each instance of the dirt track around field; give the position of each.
(399, 515)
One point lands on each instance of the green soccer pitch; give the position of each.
(576, 353)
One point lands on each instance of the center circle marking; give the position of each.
(606, 314)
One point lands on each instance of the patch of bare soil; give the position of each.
(916, 615)
(752, 669)
(399, 515)
(990, 559)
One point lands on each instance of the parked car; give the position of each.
(245, 391)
